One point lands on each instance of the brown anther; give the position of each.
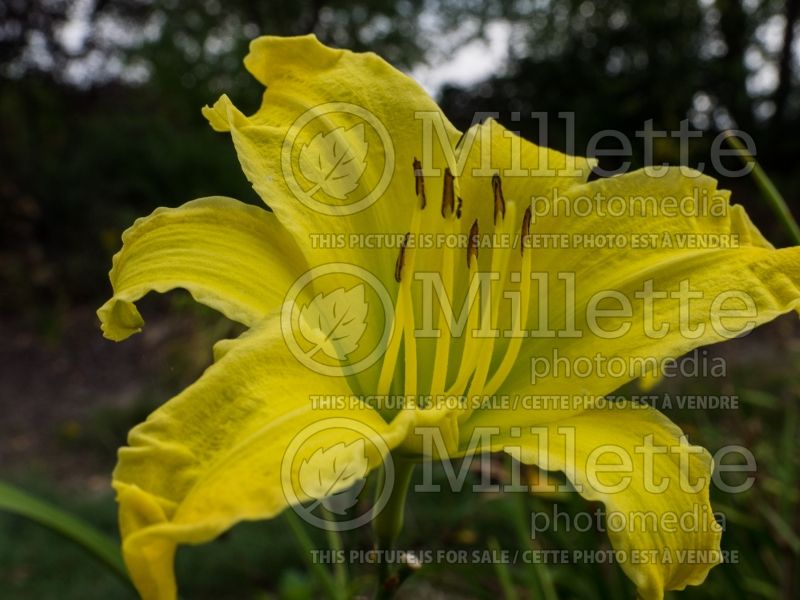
(458, 207)
(499, 201)
(448, 194)
(474, 241)
(398, 266)
(419, 183)
(526, 230)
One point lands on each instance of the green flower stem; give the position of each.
(768, 189)
(103, 548)
(335, 544)
(307, 546)
(387, 523)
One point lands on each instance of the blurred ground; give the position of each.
(82, 392)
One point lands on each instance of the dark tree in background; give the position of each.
(99, 100)
(617, 64)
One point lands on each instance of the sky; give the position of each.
(471, 63)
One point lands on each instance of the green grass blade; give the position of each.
(503, 573)
(768, 189)
(541, 575)
(97, 544)
(307, 546)
(335, 544)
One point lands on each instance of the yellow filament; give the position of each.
(476, 356)
(403, 314)
(520, 320)
(392, 350)
(409, 341)
(440, 364)
(468, 357)
(500, 261)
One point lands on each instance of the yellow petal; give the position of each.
(214, 455)
(655, 487)
(230, 256)
(324, 105)
(705, 287)
(526, 170)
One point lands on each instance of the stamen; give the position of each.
(393, 348)
(478, 350)
(474, 240)
(526, 231)
(398, 266)
(499, 201)
(500, 261)
(442, 355)
(469, 352)
(448, 194)
(519, 319)
(403, 274)
(409, 343)
(401, 332)
(419, 183)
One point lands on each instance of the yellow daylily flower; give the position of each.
(381, 209)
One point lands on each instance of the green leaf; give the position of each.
(103, 548)
(768, 189)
